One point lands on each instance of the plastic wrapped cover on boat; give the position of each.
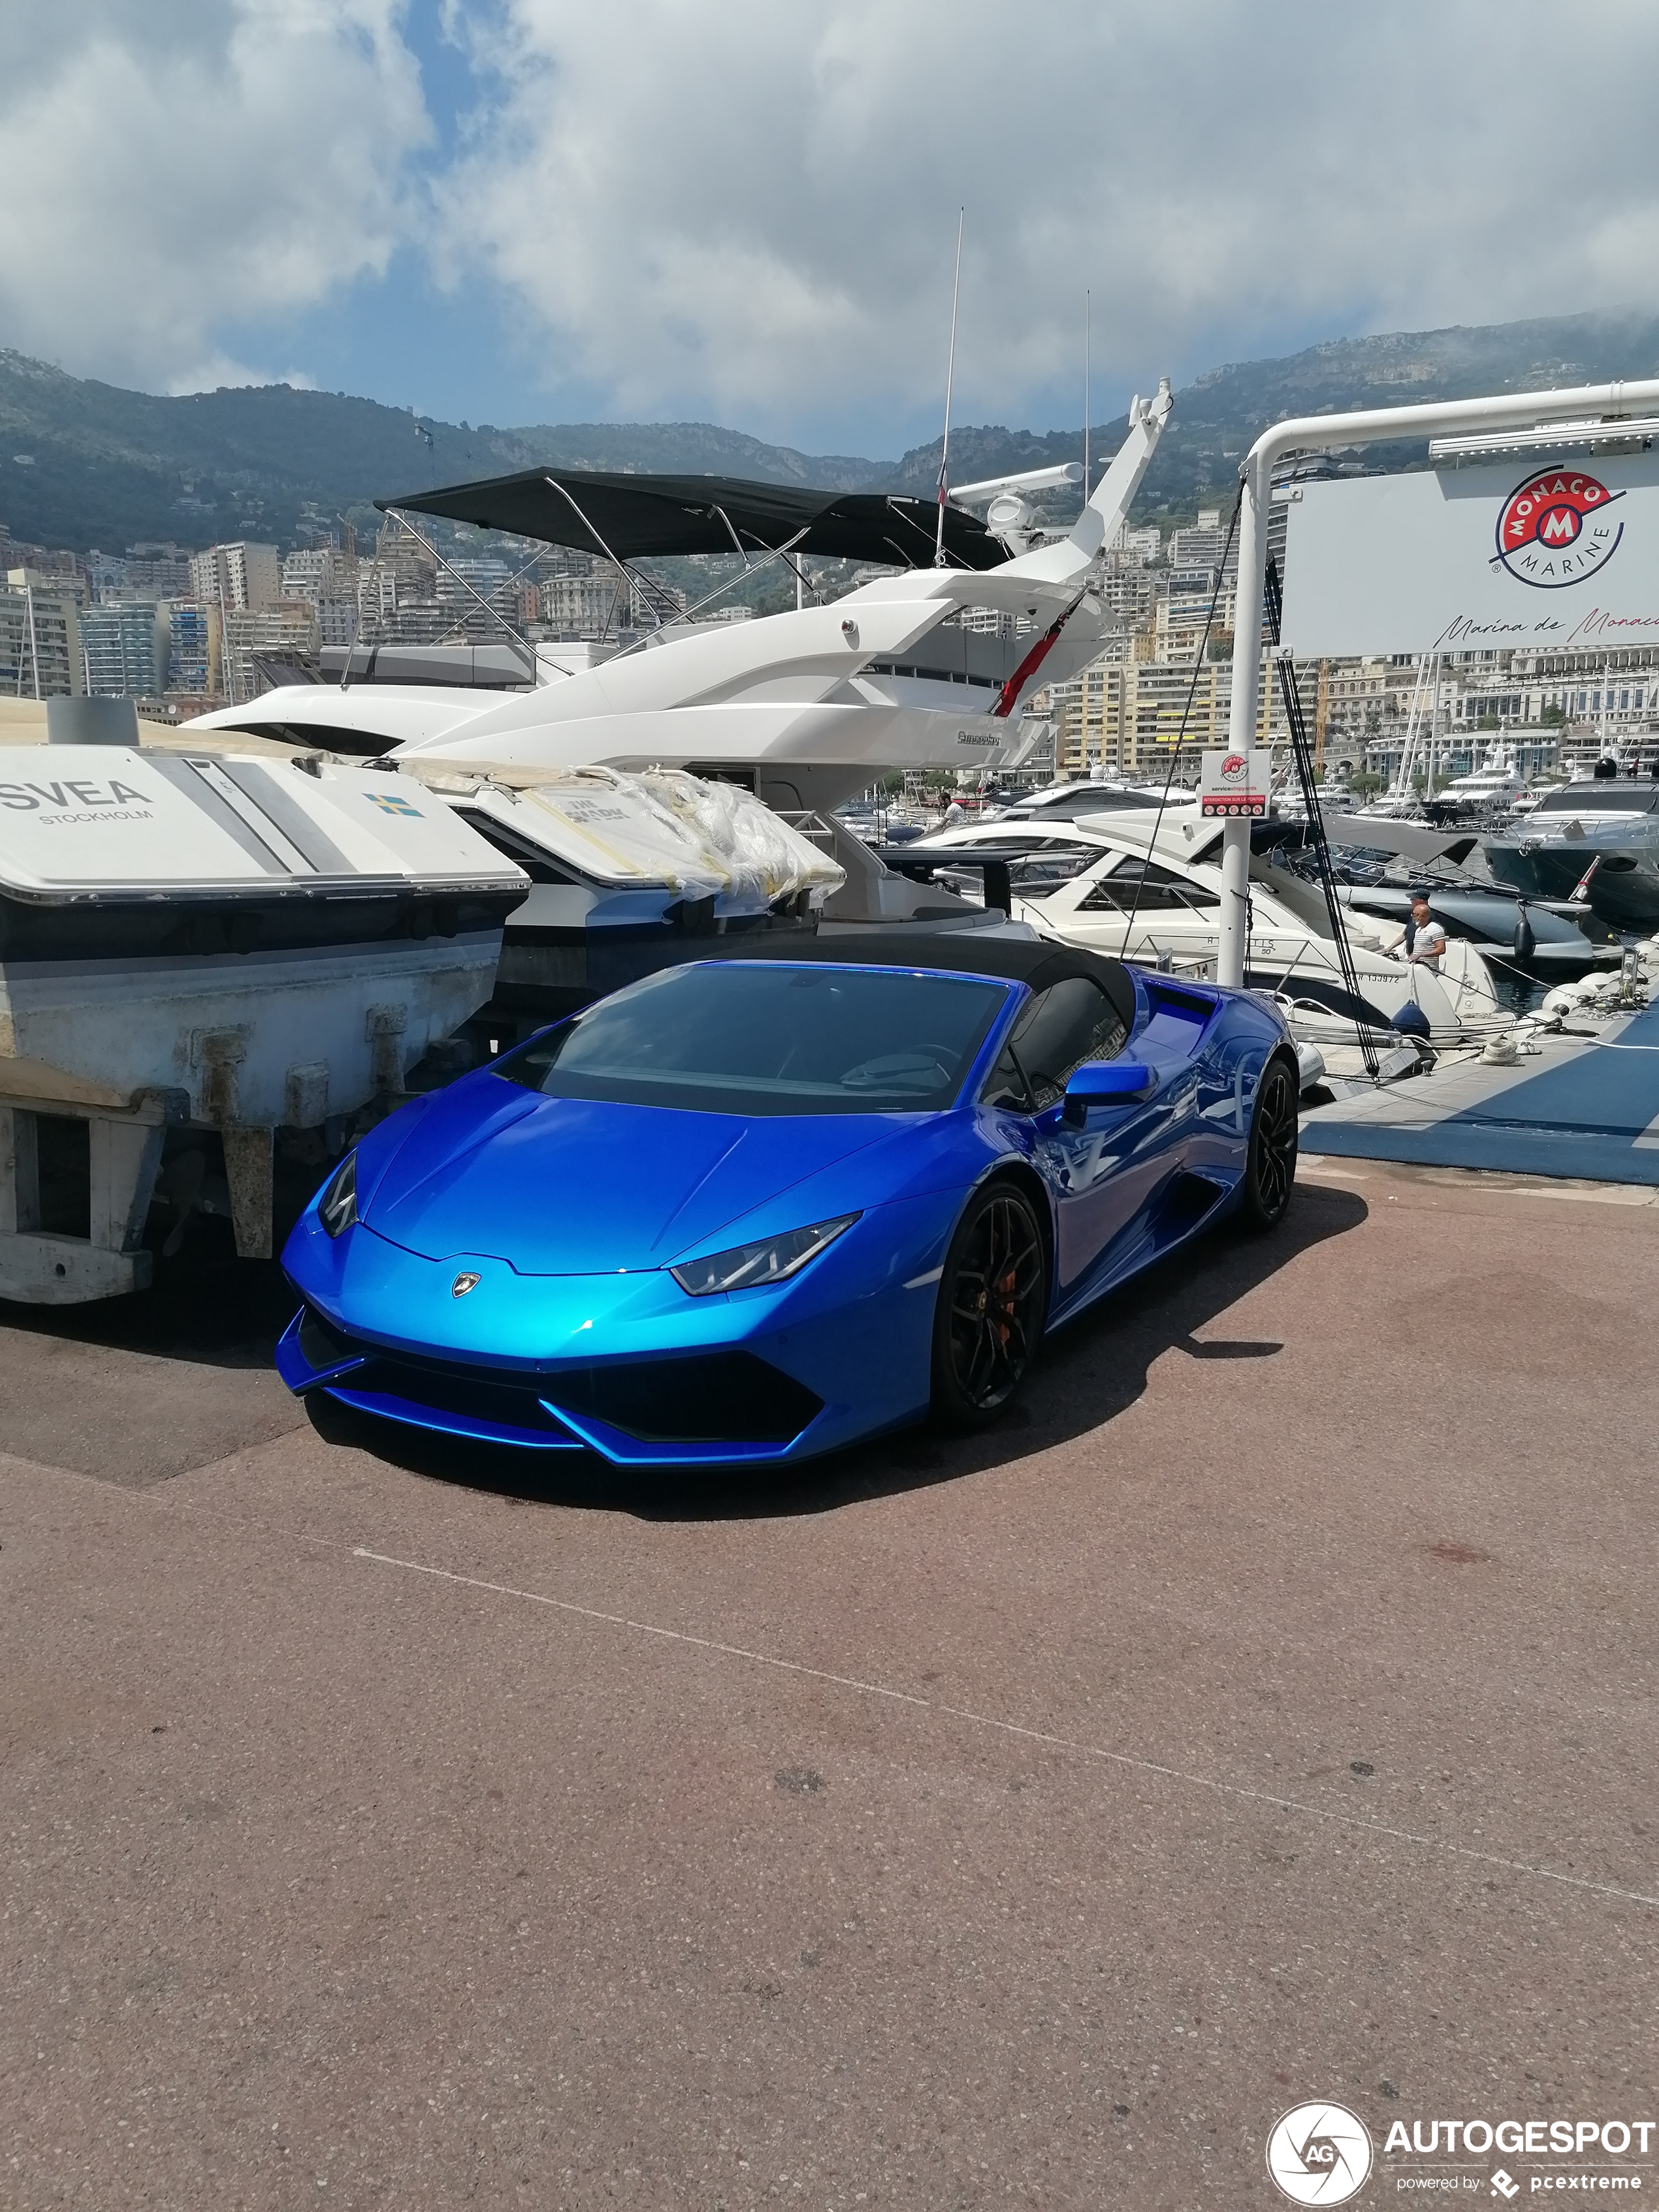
(660, 829)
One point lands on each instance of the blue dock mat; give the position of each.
(1581, 1119)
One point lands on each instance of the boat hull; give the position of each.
(107, 1063)
(1623, 891)
(261, 1037)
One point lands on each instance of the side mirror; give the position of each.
(1107, 1083)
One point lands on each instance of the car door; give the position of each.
(1096, 1171)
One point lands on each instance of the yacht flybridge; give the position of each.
(930, 666)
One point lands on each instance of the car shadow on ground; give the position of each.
(1089, 1372)
(216, 1311)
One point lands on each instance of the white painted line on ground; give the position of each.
(1005, 1727)
(1607, 1194)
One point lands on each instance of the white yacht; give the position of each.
(931, 666)
(1594, 841)
(1146, 885)
(1491, 787)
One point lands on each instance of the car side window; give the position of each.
(1062, 1027)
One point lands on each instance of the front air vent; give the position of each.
(721, 1397)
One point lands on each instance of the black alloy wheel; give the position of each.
(992, 1300)
(1270, 1169)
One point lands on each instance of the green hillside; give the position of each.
(85, 464)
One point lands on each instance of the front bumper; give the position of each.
(626, 1365)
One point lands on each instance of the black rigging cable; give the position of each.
(1181, 736)
(1302, 753)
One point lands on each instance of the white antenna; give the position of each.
(950, 374)
(1085, 398)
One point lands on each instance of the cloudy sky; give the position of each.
(535, 211)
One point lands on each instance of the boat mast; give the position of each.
(1085, 396)
(34, 646)
(1408, 756)
(950, 374)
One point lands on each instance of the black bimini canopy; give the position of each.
(627, 517)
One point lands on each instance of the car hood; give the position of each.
(566, 1186)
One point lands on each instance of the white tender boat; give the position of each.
(196, 952)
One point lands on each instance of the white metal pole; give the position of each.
(1241, 721)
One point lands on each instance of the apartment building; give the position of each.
(1137, 547)
(579, 606)
(124, 648)
(158, 570)
(1203, 545)
(192, 655)
(286, 632)
(240, 578)
(40, 654)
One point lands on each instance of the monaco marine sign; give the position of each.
(1563, 559)
(1557, 528)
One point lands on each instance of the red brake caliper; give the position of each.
(1005, 1289)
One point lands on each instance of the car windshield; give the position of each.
(765, 1037)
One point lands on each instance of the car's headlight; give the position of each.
(338, 1206)
(750, 1266)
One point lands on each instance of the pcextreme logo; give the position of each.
(1319, 2153)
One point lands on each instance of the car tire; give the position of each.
(1270, 1162)
(992, 1303)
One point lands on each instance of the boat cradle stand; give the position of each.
(68, 1238)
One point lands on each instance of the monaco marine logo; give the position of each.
(1557, 528)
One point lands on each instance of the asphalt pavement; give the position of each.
(1264, 1715)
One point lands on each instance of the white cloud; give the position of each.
(747, 211)
(180, 169)
(219, 372)
(750, 210)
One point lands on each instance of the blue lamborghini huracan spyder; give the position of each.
(753, 1209)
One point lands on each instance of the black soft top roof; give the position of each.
(1031, 961)
(607, 512)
